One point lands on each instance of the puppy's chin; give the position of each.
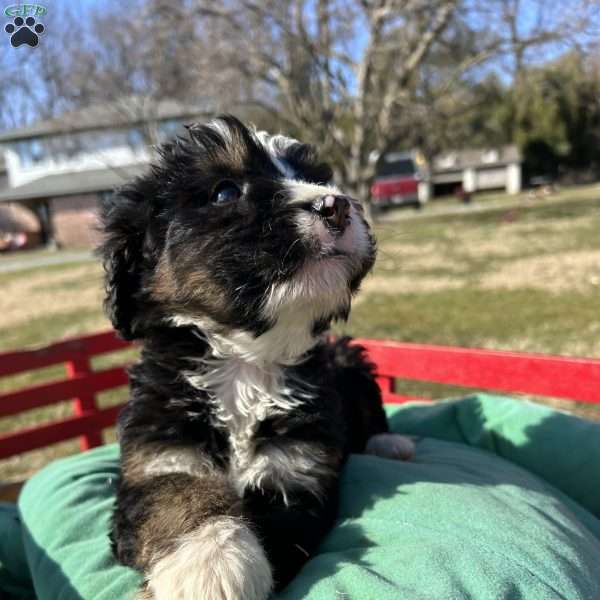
(322, 288)
(336, 263)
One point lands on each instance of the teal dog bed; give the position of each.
(502, 501)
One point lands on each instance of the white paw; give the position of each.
(223, 560)
(391, 445)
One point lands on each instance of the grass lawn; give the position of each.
(525, 278)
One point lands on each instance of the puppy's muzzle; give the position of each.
(334, 210)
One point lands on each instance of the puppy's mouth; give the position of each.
(331, 253)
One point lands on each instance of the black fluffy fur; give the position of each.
(170, 251)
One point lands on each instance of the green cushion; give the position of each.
(459, 521)
(562, 449)
(66, 511)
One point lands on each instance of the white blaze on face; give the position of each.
(275, 145)
(302, 192)
(320, 288)
(354, 241)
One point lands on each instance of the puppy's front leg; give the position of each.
(187, 534)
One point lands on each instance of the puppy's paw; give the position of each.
(221, 561)
(391, 445)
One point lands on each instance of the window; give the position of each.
(169, 128)
(396, 165)
(64, 147)
(30, 151)
(135, 137)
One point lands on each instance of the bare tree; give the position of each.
(335, 74)
(360, 77)
(531, 29)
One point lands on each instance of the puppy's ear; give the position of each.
(124, 219)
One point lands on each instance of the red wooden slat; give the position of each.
(25, 360)
(574, 378)
(562, 377)
(44, 435)
(85, 402)
(386, 384)
(82, 386)
(18, 401)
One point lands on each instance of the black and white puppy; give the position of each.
(228, 261)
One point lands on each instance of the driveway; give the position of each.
(20, 262)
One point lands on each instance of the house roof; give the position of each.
(455, 160)
(124, 112)
(68, 184)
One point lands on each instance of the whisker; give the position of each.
(288, 252)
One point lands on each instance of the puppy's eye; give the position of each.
(226, 192)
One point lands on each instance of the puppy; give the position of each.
(228, 261)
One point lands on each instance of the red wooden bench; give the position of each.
(554, 376)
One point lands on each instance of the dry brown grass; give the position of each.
(559, 272)
(404, 284)
(52, 291)
(525, 285)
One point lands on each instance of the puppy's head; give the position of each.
(239, 233)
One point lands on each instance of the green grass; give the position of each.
(479, 318)
(521, 279)
(525, 278)
(46, 329)
(502, 201)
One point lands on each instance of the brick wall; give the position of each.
(75, 220)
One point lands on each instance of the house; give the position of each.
(476, 170)
(59, 169)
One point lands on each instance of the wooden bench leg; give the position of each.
(9, 492)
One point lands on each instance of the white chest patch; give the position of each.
(244, 394)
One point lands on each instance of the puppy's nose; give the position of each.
(335, 210)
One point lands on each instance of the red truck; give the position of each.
(397, 181)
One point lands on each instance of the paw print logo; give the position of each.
(24, 32)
